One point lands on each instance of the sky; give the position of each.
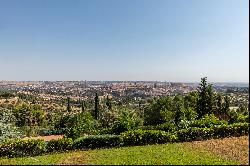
(147, 40)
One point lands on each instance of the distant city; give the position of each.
(86, 89)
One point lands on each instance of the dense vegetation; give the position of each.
(201, 114)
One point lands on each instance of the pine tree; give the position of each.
(205, 101)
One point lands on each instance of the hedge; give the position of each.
(217, 131)
(168, 127)
(18, 148)
(59, 144)
(97, 141)
(144, 137)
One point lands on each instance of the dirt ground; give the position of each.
(45, 138)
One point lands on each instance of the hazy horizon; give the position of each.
(154, 40)
(124, 81)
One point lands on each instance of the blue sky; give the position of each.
(159, 40)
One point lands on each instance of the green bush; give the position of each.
(208, 121)
(97, 141)
(144, 137)
(59, 145)
(127, 121)
(235, 129)
(217, 131)
(194, 133)
(168, 127)
(18, 148)
(77, 124)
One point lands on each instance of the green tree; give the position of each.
(109, 102)
(218, 103)
(97, 106)
(78, 124)
(126, 121)
(226, 104)
(23, 115)
(83, 106)
(210, 100)
(178, 109)
(190, 100)
(158, 111)
(69, 109)
(204, 104)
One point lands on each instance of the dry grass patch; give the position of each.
(235, 148)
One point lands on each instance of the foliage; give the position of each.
(164, 154)
(207, 121)
(126, 121)
(217, 131)
(97, 107)
(7, 128)
(17, 148)
(59, 145)
(69, 109)
(239, 115)
(205, 101)
(168, 127)
(108, 117)
(29, 115)
(158, 111)
(97, 141)
(78, 124)
(144, 137)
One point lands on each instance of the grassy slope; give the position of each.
(177, 153)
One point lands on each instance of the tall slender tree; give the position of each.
(109, 102)
(96, 110)
(226, 104)
(83, 106)
(69, 109)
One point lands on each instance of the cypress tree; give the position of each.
(226, 105)
(96, 110)
(108, 103)
(83, 106)
(68, 105)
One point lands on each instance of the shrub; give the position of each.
(194, 133)
(144, 137)
(127, 121)
(217, 131)
(97, 141)
(18, 148)
(207, 121)
(78, 124)
(235, 129)
(59, 145)
(168, 127)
